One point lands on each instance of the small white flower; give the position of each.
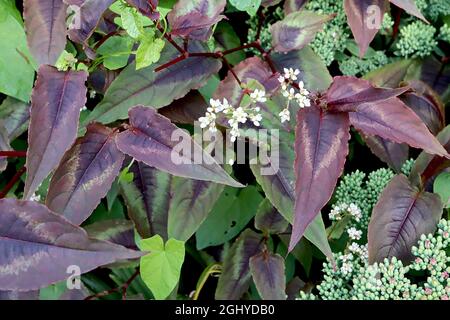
(281, 79)
(291, 74)
(240, 115)
(256, 119)
(258, 96)
(355, 211)
(285, 115)
(208, 120)
(354, 247)
(346, 268)
(35, 197)
(302, 89)
(302, 101)
(231, 161)
(215, 106)
(354, 234)
(226, 107)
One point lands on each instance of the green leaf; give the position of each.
(149, 52)
(231, 213)
(227, 38)
(16, 63)
(160, 269)
(132, 22)
(250, 6)
(116, 52)
(442, 188)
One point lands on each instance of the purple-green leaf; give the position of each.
(15, 115)
(403, 213)
(410, 7)
(146, 7)
(293, 5)
(296, 30)
(86, 19)
(269, 220)
(321, 146)
(364, 18)
(347, 93)
(85, 174)
(268, 270)
(392, 119)
(38, 246)
(186, 110)
(195, 18)
(117, 231)
(235, 278)
(156, 89)
(55, 109)
(154, 140)
(45, 25)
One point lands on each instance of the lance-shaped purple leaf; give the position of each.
(55, 109)
(402, 214)
(15, 115)
(235, 278)
(293, 5)
(392, 119)
(321, 146)
(37, 246)
(154, 140)
(410, 7)
(85, 174)
(45, 25)
(195, 18)
(364, 18)
(147, 201)
(296, 30)
(155, 89)
(347, 93)
(394, 154)
(86, 19)
(116, 231)
(268, 270)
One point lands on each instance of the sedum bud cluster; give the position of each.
(416, 40)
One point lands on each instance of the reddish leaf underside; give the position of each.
(364, 18)
(321, 146)
(402, 214)
(55, 109)
(268, 272)
(85, 174)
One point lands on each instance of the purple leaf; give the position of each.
(362, 19)
(235, 278)
(156, 89)
(146, 7)
(269, 3)
(19, 295)
(55, 108)
(37, 247)
(85, 174)
(45, 25)
(86, 19)
(117, 231)
(321, 146)
(269, 220)
(410, 7)
(195, 18)
(394, 154)
(403, 213)
(392, 119)
(296, 30)
(268, 274)
(186, 110)
(426, 104)
(347, 93)
(147, 201)
(15, 115)
(154, 140)
(293, 5)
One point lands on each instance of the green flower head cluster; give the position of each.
(416, 40)
(354, 66)
(364, 193)
(335, 33)
(444, 33)
(433, 9)
(351, 277)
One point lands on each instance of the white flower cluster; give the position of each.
(235, 116)
(339, 211)
(288, 91)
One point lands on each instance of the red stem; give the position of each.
(12, 182)
(11, 154)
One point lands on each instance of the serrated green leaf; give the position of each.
(149, 52)
(250, 6)
(116, 52)
(160, 269)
